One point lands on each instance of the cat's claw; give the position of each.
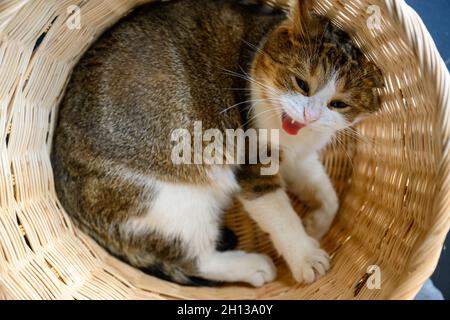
(312, 265)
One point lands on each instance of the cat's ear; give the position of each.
(305, 22)
(301, 14)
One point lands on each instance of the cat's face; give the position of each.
(313, 76)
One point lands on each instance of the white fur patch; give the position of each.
(306, 178)
(191, 213)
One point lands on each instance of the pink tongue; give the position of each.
(290, 127)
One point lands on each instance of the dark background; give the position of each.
(436, 16)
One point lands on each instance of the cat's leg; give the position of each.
(192, 214)
(233, 265)
(268, 204)
(237, 266)
(306, 178)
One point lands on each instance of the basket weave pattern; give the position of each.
(393, 181)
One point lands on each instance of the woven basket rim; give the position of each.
(424, 258)
(420, 40)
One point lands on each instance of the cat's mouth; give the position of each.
(290, 125)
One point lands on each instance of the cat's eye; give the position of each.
(338, 104)
(300, 83)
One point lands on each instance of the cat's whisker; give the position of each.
(256, 48)
(351, 132)
(243, 102)
(261, 85)
(341, 145)
(247, 77)
(238, 89)
(257, 83)
(261, 113)
(272, 109)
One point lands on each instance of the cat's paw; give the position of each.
(311, 264)
(318, 222)
(257, 269)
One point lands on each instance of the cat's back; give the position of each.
(157, 70)
(160, 68)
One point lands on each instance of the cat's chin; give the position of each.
(290, 126)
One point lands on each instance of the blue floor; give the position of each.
(436, 16)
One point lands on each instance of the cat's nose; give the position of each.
(311, 115)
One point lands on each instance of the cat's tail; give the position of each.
(173, 273)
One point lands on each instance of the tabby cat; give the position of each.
(229, 65)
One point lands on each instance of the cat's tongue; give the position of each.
(291, 126)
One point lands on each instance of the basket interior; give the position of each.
(385, 176)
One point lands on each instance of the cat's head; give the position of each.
(313, 75)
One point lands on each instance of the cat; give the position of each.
(228, 65)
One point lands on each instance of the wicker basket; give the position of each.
(393, 183)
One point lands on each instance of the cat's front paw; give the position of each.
(311, 264)
(318, 222)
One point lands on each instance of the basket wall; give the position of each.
(393, 181)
